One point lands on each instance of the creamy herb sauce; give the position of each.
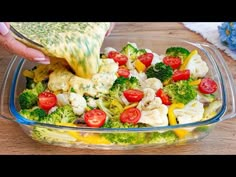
(78, 43)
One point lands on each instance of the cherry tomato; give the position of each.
(181, 75)
(146, 59)
(207, 86)
(173, 62)
(47, 100)
(130, 115)
(122, 71)
(133, 95)
(164, 97)
(118, 57)
(95, 118)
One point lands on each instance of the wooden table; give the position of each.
(222, 139)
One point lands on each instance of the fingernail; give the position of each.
(3, 28)
(44, 62)
(40, 59)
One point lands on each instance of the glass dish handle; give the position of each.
(5, 89)
(229, 82)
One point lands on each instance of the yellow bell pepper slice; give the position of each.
(171, 115)
(181, 133)
(131, 105)
(195, 83)
(186, 61)
(140, 67)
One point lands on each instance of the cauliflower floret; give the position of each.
(108, 49)
(103, 81)
(108, 66)
(153, 83)
(161, 57)
(62, 99)
(155, 117)
(61, 84)
(140, 76)
(156, 59)
(130, 65)
(192, 112)
(197, 67)
(78, 103)
(149, 101)
(91, 102)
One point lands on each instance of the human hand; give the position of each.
(8, 42)
(110, 29)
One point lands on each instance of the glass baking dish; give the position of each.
(83, 137)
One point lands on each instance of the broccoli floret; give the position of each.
(30, 84)
(140, 52)
(35, 114)
(40, 87)
(123, 138)
(51, 135)
(177, 52)
(130, 51)
(168, 137)
(159, 71)
(62, 114)
(121, 84)
(29, 97)
(181, 92)
(134, 83)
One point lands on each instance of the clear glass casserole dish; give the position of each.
(95, 138)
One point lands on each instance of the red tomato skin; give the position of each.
(47, 100)
(164, 97)
(181, 75)
(133, 95)
(130, 115)
(173, 62)
(207, 86)
(95, 118)
(146, 59)
(122, 71)
(119, 58)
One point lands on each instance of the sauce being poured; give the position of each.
(78, 43)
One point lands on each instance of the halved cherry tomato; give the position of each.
(131, 115)
(164, 97)
(146, 59)
(173, 62)
(133, 95)
(47, 100)
(122, 71)
(95, 118)
(181, 75)
(207, 86)
(118, 57)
